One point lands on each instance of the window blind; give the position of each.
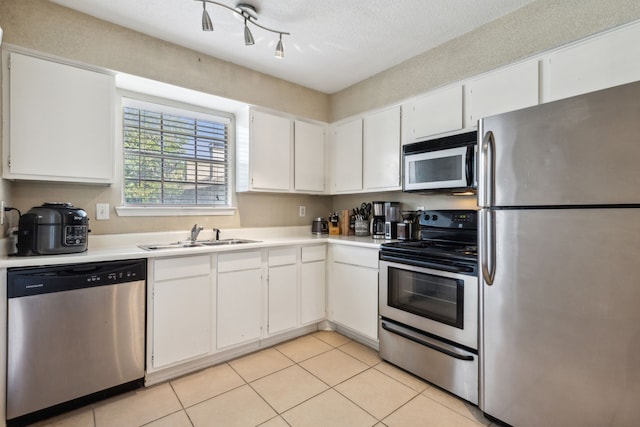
(174, 157)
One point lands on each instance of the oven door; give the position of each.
(440, 169)
(439, 303)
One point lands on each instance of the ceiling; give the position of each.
(333, 43)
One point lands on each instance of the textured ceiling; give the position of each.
(333, 43)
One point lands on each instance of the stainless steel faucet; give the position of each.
(195, 231)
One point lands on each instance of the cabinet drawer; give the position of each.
(355, 256)
(314, 253)
(282, 256)
(172, 268)
(238, 261)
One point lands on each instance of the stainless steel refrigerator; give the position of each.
(559, 247)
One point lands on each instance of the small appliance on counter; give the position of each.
(53, 228)
(320, 226)
(391, 219)
(377, 220)
(406, 228)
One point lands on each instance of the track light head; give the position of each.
(207, 25)
(280, 48)
(248, 37)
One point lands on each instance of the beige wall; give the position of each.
(47, 27)
(52, 29)
(540, 26)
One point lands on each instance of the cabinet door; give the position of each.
(504, 90)
(347, 157)
(433, 113)
(382, 150)
(239, 310)
(181, 312)
(283, 298)
(270, 152)
(61, 122)
(312, 292)
(609, 60)
(355, 298)
(308, 156)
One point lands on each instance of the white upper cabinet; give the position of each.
(436, 112)
(608, 60)
(309, 155)
(281, 154)
(382, 150)
(347, 157)
(270, 155)
(507, 89)
(60, 122)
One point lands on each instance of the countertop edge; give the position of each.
(121, 247)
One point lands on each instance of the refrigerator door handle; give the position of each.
(486, 172)
(488, 245)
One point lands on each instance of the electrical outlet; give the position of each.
(102, 211)
(302, 211)
(420, 208)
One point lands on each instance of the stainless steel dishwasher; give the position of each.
(75, 335)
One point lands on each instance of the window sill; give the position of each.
(173, 211)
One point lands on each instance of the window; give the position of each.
(174, 157)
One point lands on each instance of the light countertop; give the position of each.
(113, 247)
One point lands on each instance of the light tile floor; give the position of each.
(321, 379)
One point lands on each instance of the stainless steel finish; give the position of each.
(562, 320)
(431, 359)
(378, 208)
(410, 161)
(195, 244)
(487, 248)
(485, 169)
(560, 340)
(578, 151)
(468, 336)
(195, 231)
(68, 344)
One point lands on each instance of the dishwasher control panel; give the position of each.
(58, 278)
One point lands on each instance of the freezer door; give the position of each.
(578, 151)
(560, 341)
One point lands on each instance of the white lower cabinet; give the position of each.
(181, 309)
(354, 289)
(312, 284)
(282, 287)
(239, 298)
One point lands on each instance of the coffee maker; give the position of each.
(391, 219)
(377, 220)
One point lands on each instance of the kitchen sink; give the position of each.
(195, 244)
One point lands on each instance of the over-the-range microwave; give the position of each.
(445, 163)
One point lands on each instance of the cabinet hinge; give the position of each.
(9, 63)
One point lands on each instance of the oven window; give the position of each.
(435, 170)
(435, 297)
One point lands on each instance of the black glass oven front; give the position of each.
(427, 295)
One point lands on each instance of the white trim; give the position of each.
(174, 211)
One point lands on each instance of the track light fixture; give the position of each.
(250, 15)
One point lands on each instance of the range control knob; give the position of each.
(435, 217)
(427, 217)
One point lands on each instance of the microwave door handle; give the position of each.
(469, 165)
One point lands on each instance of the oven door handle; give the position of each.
(423, 341)
(427, 264)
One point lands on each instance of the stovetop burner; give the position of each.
(449, 242)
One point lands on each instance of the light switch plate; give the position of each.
(102, 211)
